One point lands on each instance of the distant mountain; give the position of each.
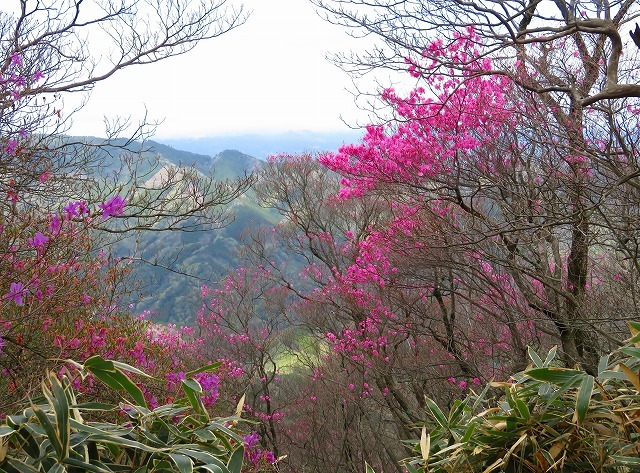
(263, 145)
(229, 163)
(179, 157)
(194, 258)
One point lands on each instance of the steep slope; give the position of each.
(170, 267)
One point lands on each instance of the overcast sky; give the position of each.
(269, 75)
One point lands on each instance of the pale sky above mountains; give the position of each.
(267, 76)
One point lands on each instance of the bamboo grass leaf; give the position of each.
(550, 356)
(522, 409)
(583, 398)
(214, 426)
(198, 455)
(437, 413)
(95, 406)
(425, 445)
(235, 462)
(121, 441)
(534, 357)
(633, 352)
(240, 405)
(456, 412)
(214, 468)
(62, 413)
(603, 364)
(626, 461)
(558, 376)
(169, 438)
(210, 367)
(634, 328)
(18, 466)
(193, 390)
(410, 468)
(469, 432)
(631, 375)
(183, 462)
(86, 466)
(121, 382)
(49, 429)
(57, 468)
(99, 363)
(6, 430)
(132, 369)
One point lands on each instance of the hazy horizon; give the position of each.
(261, 145)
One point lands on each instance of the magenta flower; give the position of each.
(71, 209)
(16, 59)
(16, 293)
(38, 240)
(250, 440)
(38, 76)
(76, 209)
(11, 146)
(113, 207)
(55, 225)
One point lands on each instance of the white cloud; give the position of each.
(268, 75)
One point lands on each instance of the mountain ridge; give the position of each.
(195, 258)
(263, 145)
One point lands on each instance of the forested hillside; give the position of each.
(170, 267)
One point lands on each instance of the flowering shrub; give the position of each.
(58, 291)
(241, 323)
(59, 287)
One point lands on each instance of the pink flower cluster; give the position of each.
(33, 267)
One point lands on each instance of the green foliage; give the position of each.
(549, 419)
(51, 435)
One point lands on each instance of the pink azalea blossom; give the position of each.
(38, 240)
(16, 59)
(11, 146)
(113, 207)
(16, 293)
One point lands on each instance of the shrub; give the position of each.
(549, 419)
(51, 434)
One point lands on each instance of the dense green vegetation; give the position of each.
(56, 433)
(547, 418)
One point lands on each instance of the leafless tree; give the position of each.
(58, 47)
